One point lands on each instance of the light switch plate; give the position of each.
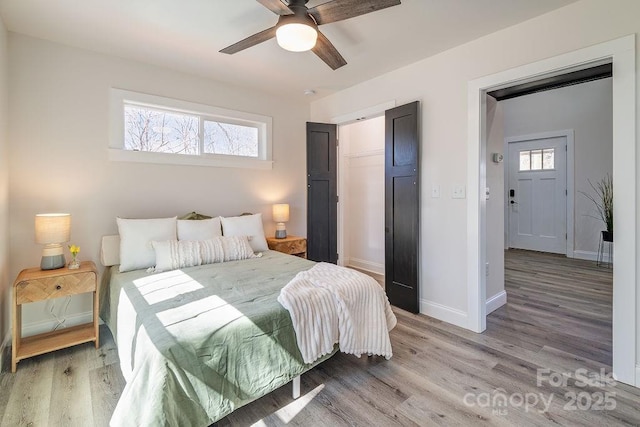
(435, 191)
(458, 192)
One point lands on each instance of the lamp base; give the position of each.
(52, 262)
(281, 231)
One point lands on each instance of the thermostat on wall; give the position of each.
(497, 158)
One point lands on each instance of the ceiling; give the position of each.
(186, 35)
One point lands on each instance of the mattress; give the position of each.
(195, 344)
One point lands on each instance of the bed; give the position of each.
(198, 342)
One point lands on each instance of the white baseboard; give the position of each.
(496, 301)
(444, 313)
(48, 325)
(371, 267)
(637, 384)
(586, 255)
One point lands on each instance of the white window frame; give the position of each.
(117, 152)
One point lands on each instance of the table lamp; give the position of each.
(280, 216)
(51, 231)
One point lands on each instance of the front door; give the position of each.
(537, 194)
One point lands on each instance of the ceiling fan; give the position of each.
(297, 27)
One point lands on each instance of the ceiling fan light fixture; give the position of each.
(295, 34)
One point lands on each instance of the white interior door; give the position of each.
(537, 194)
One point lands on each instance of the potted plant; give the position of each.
(604, 204)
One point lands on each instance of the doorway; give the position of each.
(401, 208)
(361, 187)
(553, 300)
(621, 53)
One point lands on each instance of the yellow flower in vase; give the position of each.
(75, 250)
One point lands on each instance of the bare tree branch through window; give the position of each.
(230, 139)
(160, 131)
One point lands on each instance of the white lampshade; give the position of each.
(281, 212)
(52, 230)
(296, 37)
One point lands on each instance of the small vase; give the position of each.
(74, 264)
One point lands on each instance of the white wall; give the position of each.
(59, 99)
(495, 204)
(440, 83)
(363, 174)
(5, 279)
(587, 109)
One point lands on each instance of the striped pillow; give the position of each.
(173, 254)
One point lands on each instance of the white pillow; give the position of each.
(199, 229)
(246, 225)
(136, 251)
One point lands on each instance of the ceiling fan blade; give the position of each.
(338, 10)
(253, 40)
(328, 53)
(276, 6)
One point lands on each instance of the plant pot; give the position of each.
(607, 236)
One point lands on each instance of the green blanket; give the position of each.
(197, 343)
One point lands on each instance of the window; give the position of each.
(152, 129)
(147, 129)
(535, 160)
(230, 139)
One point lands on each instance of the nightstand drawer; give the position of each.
(54, 287)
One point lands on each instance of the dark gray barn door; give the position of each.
(402, 206)
(322, 209)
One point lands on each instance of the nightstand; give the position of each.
(34, 284)
(292, 245)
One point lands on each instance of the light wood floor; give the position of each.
(558, 318)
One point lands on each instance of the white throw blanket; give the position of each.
(330, 304)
